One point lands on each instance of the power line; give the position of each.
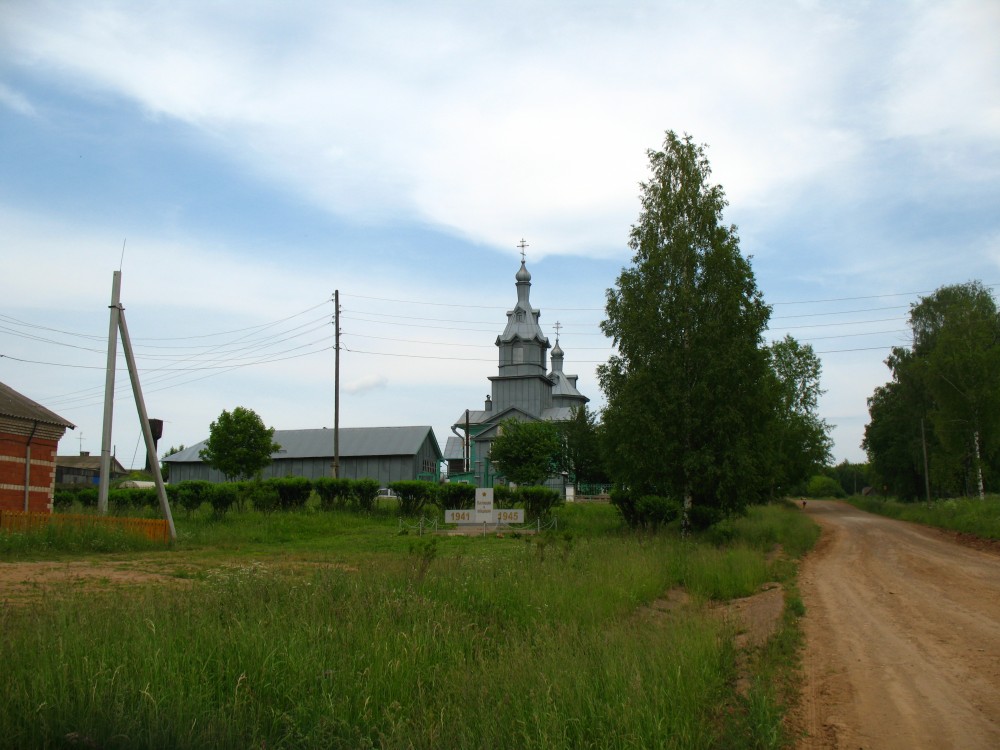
(601, 309)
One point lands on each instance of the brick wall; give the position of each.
(13, 449)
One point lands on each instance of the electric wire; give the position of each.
(177, 365)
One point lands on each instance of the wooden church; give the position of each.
(524, 387)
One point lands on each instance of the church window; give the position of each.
(518, 355)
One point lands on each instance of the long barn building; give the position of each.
(386, 454)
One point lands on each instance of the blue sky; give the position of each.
(254, 157)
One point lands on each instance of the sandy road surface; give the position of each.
(902, 634)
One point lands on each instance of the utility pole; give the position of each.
(118, 326)
(109, 394)
(336, 384)
(147, 431)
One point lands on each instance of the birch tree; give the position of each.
(687, 391)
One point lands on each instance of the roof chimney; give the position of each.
(489, 403)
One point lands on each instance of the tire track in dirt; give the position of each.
(902, 637)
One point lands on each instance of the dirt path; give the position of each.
(902, 634)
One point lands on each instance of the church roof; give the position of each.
(565, 386)
(522, 321)
(552, 414)
(562, 384)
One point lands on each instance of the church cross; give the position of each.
(557, 327)
(522, 244)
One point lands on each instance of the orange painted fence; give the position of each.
(155, 529)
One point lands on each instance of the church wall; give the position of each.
(532, 394)
(530, 361)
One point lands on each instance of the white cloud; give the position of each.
(16, 101)
(484, 120)
(366, 384)
(944, 75)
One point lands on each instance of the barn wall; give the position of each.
(383, 469)
(426, 461)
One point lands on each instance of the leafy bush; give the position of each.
(263, 496)
(503, 496)
(538, 501)
(655, 511)
(364, 494)
(85, 494)
(333, 493)
(627, 504)
(458, 496)
(293, 492)
(703, 516)
(222, 497)
(823, 486)
(191, 494)
(63, 499)
(132, 497)
(414, 495)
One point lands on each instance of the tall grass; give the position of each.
(58, 540)
(967, 515)
(481, 642)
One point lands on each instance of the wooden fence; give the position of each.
(155, 529)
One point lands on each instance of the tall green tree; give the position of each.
(583, 458)
(798, 439)
(526, 453)
(944, 398)
(688, 391)
(894, 435)
(239, 445)
(957, 352)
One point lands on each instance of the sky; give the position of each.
(239, 162)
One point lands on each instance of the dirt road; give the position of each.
(902, 633)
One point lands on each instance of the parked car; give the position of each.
(385, 492)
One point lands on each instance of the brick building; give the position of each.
(29, 436)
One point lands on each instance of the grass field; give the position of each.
(334, 630)
(967, 515)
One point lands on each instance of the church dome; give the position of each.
(522, 274)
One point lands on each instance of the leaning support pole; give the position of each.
(147, 433)
(109, 394)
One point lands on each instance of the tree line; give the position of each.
(934, 428)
